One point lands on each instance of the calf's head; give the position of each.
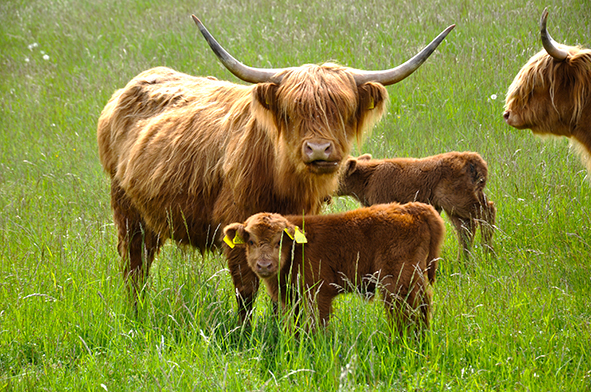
(267, 239)
(353, 176)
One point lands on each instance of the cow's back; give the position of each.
(163, 139)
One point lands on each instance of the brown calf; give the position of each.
(392, 247)
(453, 182)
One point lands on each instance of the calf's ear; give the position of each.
(290, 230)
(364, 157)
(350, 166)
(235, 234)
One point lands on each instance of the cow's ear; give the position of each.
(235, 234)
(364, 157)
(265, 94)
(372, 96)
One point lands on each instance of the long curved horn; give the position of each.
(395, 75)
(549, 43)
(244, 72)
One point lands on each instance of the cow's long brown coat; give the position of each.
(392, 247)
(453, 182)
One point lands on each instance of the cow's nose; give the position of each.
(506, 115)
(318, 151)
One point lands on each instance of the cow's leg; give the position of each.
(137, 244)
(246, 283)
(465, 228)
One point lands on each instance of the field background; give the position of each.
(517, 321)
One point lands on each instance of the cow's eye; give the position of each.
(250, 242)
(277, 245)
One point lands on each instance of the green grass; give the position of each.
(517, 321)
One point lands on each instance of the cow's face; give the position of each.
(317, 113)
(542, 97)
(263, 236)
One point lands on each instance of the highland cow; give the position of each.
(551, 94)
(188, 154)
(453, 182)
(389, 247)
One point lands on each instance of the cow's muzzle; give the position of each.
(320, 156)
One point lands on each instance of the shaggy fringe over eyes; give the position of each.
(574, 72)
(330, 94)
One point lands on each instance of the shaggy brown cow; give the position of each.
(391, 247)
(187, 154)
(551, 94)
(453, 182)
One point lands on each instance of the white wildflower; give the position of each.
(26, 60)
(493, 97)
(33, 45)
(45, 57)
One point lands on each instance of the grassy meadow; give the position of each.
(520, 320)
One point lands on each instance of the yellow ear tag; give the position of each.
(229, 242)
(300, 238)
(371, 104)
(237, 240)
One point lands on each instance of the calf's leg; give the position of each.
(245, 281)
(407, 298)
(465, 229)
(487, 225)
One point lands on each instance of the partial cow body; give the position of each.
(188, 154)
(453, 182)
(551, 94)
(390, 247)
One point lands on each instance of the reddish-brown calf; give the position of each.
(390, 247)
(453, 182)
